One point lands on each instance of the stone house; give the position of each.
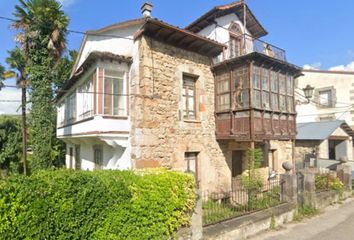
(146, 94)
(323, 144)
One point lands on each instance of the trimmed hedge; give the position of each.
(96, 205)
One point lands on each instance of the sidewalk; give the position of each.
(336, 223)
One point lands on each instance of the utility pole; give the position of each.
(23, 85)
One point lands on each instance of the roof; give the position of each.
(180, 38)
(253, 25)
(91, 59)
(321, 130)
(263, 59)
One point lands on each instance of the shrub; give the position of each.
(95, 205)
(328, 182)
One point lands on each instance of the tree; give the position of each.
(42, 29)
(17, 63)
(2, 76)
(10, 143)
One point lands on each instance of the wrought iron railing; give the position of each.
(222, 206)
(246, 44)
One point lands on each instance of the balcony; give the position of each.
(244, 44)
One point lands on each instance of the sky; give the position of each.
(315, 34)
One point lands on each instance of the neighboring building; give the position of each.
(322, 144)
(146, 94)
(333, 96)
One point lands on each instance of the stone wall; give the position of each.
(302, 149)
(283, 153)
(159, 135)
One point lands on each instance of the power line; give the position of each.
(79, 32)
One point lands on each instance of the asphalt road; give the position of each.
(336, 223)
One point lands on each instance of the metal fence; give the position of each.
(221, 206)
(245, 44)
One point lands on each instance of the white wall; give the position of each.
(344, 85)
(221, 34)
(119, 46)
(114, 157)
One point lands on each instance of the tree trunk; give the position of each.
(24, 128)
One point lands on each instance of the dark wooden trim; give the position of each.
(115, 117)
(338, 138)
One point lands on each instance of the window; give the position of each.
(290, 86)
(98, 156)
(189, 98)
(85, 99)
(71, 156)
(325, 98)
(241, 88)
(223, 92)
(274, 90)
(70, 108)
(265, 89)
(256, 77)
(190, 162)
(77, 157)
(115, 99)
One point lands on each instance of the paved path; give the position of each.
(337, 223)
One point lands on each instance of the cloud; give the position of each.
(348, 67)
(312, 66)
(66, 3)
(10, 107)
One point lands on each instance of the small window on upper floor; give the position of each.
(325, 98)
(189, 97)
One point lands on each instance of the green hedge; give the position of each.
(95, 205)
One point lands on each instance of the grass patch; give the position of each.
(305, 212)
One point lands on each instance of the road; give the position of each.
(336, 223)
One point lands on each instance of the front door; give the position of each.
(237, 163)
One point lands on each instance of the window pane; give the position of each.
(224, 102)
(325, 97)
(265, 99)
(257, 99)
(274, 102)
(107, 96)
(265, 79)
(290, 89)
(274, 81)
(282, 103)
(290, 104)
(118, 97)
(282, 84)
(223, 86)
(256, 77)
(245, 98)
(188, 97)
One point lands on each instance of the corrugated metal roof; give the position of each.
(320, 130)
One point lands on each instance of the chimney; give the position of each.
(146, 10)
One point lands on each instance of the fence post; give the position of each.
(308, 188)
(344, 173)
(197, 218)
(288, 184)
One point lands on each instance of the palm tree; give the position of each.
(2, 72)
(17, 64)
(42, 34)
(41, 18)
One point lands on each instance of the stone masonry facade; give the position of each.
(159, 135)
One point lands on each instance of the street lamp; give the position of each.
(308, 91)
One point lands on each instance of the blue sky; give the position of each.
(316, 33)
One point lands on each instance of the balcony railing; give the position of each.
(245, 44)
